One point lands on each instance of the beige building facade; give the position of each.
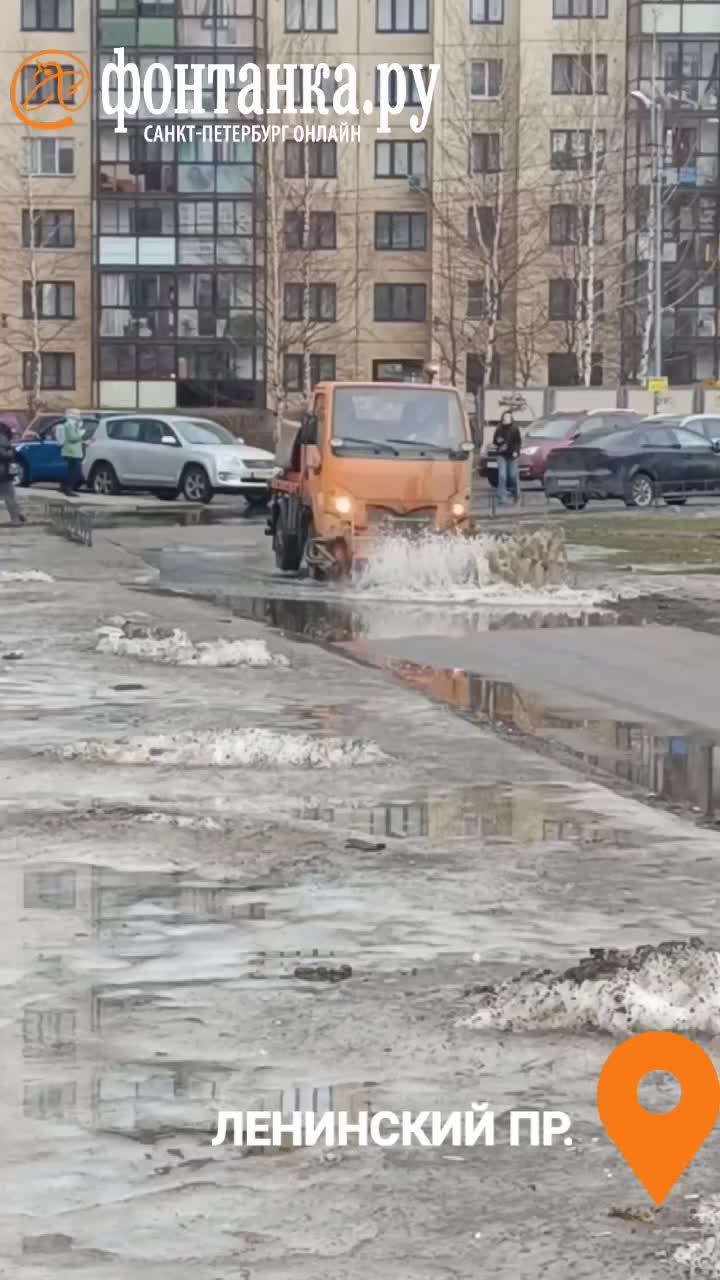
(507, 243)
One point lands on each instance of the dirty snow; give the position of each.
(673, 987)
(440, 569)
(228, 748)
(174, 647)
(702, 1257)
(28, 575)
(181, 822)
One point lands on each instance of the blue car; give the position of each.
(39, 458)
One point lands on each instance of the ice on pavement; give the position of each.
(702, 1257)
(441, 569)
(672, 987)
(174, 647)
(27, 575)
(228, 748)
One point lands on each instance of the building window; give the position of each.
(479, 301)
(322, 369)
(475, 373)
(403, 15)
(580, 8)
(38, 89)
(573, 73)
(48, 229)
(407, 231)
(219, 232)
(563, 370)
(311, 15)
(57, 371)
(485, 153)
(321, 231)
(409, 95)
(481, 225)
(47, 15)
(51, 157)
(486, 11)
(400, 159)
(53, 301)
(400, 303)
(573, 149)
(563, 299)
(314, 160)
(319, 304)
(486, 78)
(571, 224)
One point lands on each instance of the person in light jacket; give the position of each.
(73, 449)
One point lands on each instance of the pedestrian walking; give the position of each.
(7, 483)
(508, 442)
(73, 450)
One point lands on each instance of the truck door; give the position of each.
(313, 451)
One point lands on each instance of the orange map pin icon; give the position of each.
(659, 1148)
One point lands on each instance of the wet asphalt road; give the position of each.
(155, 918)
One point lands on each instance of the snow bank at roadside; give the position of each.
(672, 987)
(230, 748)
(8, 578)
(173, 647)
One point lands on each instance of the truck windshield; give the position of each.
(405, 418)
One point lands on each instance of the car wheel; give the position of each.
(574, 501)
(103, 480)
(196, 486)
(287, 544)
(641, 491)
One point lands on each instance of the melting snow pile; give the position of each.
(523, 569)
(672, 987)
(228, 748)
(29, 575)
(702, 1257)
(175, 648)
(181, 822)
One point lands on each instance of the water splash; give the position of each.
(438, 569)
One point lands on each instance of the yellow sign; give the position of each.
(658, 385)
(711, 385)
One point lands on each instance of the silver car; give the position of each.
(171, 455)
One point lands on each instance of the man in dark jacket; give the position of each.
(508, 442)
(7, 484)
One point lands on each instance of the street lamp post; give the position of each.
(655, 105)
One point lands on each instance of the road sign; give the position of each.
(658, 385)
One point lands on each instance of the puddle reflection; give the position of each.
(680, 768)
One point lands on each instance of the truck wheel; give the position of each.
(287, 543)
(574, 501)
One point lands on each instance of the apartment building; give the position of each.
(674, 75)
(510, 243)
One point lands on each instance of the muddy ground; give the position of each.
(168, 929)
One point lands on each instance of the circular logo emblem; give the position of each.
(48, 81)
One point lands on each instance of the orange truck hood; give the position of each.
(396, 482)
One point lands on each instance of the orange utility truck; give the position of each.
(368, 459)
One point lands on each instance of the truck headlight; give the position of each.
(343, 506)
(458, 509)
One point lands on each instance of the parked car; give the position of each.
(706, 423)
(172, 455)
(555, 431)
(636, 466)
(39, 454)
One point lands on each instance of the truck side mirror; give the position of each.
(310, 428)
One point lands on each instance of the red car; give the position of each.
(558, 430)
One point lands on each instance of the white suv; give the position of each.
(171, 455)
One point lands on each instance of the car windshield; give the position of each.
(203, 433)
(399, 417)
(552, 429)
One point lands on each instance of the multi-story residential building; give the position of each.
(510, 243)
(674, 74)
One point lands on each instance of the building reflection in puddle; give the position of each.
(683, 769)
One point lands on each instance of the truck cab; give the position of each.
(366, 460)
